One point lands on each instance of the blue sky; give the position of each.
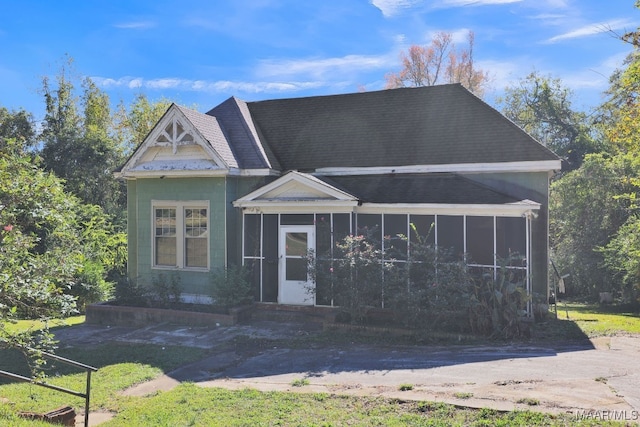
(200, 52)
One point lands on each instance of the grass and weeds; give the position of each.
(25, 325)
(463, 395)
(580, 320)
(191, 405)
(300, 382)
(595, 320)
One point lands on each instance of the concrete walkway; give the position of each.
(600, 376)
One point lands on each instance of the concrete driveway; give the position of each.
(598, 377)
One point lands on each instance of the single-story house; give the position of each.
(251, 183)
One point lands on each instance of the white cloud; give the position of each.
(136, 25)
(478, 2)
(458, 37)
(220, 86)
(591, 29)
(393, 7)
(319, 68)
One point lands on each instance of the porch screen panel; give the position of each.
(270, 261)
(252, 235)
(165, 236)
(370, 226)
(341, 227)
(296, 219)
(511, 240)
(395, 236)
(480, 240)
(451, 235)
(252, 253)
(423, 268)
(424, 227)
(323, 259)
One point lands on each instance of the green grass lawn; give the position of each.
(594, 320)
(123, 365)
(25, 325)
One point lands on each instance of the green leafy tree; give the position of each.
(542, 106)
(133, 124)
(18, 126)
(622, 257)
(588, 207)
(39, 252)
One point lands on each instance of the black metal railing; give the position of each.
(86, 395)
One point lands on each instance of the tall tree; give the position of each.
(440, 62)
(78, 146)
(588, 206)
(134, 124)
(541, 105)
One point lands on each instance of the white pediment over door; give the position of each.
(296, 187)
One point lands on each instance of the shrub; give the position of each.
(90, 285)
(231, 287)
(497, 304)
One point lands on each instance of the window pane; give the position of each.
(296, 269)
(165, 222)
(196, 255)
(165, 237)
(296, 244)
(195, 223)
(166, 251)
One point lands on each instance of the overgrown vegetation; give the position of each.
(430, 290)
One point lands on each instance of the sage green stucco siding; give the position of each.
(132, 230)
(141, 194)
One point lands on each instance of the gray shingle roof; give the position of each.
(409, 126)
(210, 129)
(239, 129)
(446, 188)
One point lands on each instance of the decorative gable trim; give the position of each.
(175, 147)
(298, 190)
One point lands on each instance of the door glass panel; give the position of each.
(296, 244)
(296, 269)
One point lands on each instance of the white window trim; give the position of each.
(179, 206)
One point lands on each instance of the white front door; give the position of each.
(296, 286)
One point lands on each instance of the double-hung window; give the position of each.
(181, 234)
